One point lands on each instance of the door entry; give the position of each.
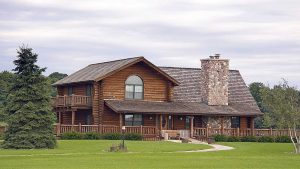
(167, 122)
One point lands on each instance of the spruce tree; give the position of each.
(30, 115)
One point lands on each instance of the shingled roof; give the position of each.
(98, 71)
(189, 90)
(188, 108)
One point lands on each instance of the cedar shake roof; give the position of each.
(188, 108)
(98, 71)
(189, 89)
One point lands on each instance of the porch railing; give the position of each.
(148, 132)
(207, 132)
(73, 100)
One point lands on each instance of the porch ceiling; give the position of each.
(187, 108)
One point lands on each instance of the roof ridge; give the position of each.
(178, 67)
(189, 68)
(117, 60)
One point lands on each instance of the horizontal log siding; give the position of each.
(243, 123)
(178, 124)
(78, 89)
(147, 121)
(66, 117)
(155, 86)
(109, 117)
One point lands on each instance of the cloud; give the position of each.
(260, 37)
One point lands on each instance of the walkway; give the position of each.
(215, 147)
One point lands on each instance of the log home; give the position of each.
(153, 101)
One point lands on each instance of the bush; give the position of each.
(71, 136)
(133, 136)
(233, 139)
(111, 136)
(220, 138)
(248, 139)
(266, 139)
(283, 139)
(91, 136)
(1, 136)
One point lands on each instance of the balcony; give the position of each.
(72, 101)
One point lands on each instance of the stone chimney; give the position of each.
(214, 79)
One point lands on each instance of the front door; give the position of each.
(167, 122)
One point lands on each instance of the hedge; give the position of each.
(97, 136)
(262, 139)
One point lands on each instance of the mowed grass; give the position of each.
(93, 154)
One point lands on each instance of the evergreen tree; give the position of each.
(28, 106)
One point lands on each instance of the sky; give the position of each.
(260, 37)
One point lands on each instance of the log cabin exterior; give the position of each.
(153, 101)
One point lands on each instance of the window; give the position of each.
(134, 88)
(187, 122)
(235, 122)
(70, 90)
(133, 120)
(88, 90)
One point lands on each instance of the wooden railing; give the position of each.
(73, 100)
(207, 132)
(148, 132)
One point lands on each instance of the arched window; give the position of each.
(134, 88)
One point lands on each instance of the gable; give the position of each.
(156, 86)
(99, 71)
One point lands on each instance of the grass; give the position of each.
(93, 154)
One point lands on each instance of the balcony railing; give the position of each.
(72, 101)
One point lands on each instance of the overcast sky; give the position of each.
(260, 37)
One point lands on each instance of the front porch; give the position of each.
(151, 133)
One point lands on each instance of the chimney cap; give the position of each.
(211, 57)
(217, 56)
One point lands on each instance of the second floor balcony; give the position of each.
(72, 101)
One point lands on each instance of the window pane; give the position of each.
(138, 89)
(137, 117)
(137, 123)
(70, 91)
(134, 80)
(129, 88)
(88, 90)
(129, 95)
(138, 95)
(128, 117)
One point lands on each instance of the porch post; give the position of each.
(121, 121)
(59, 117)
(160, 122)
(73, 120)
(222, 125)
(192, 126)
(252, 126)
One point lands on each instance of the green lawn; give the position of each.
(93, 154)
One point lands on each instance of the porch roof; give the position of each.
(182, 108)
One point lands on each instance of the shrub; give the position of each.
(266, 139)
(233, 139)
(71, 136)
(220, 138)
(1, 136)
(91, 136)
(133, 136)
(283, 139)
(111, 136)
(248, 139)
